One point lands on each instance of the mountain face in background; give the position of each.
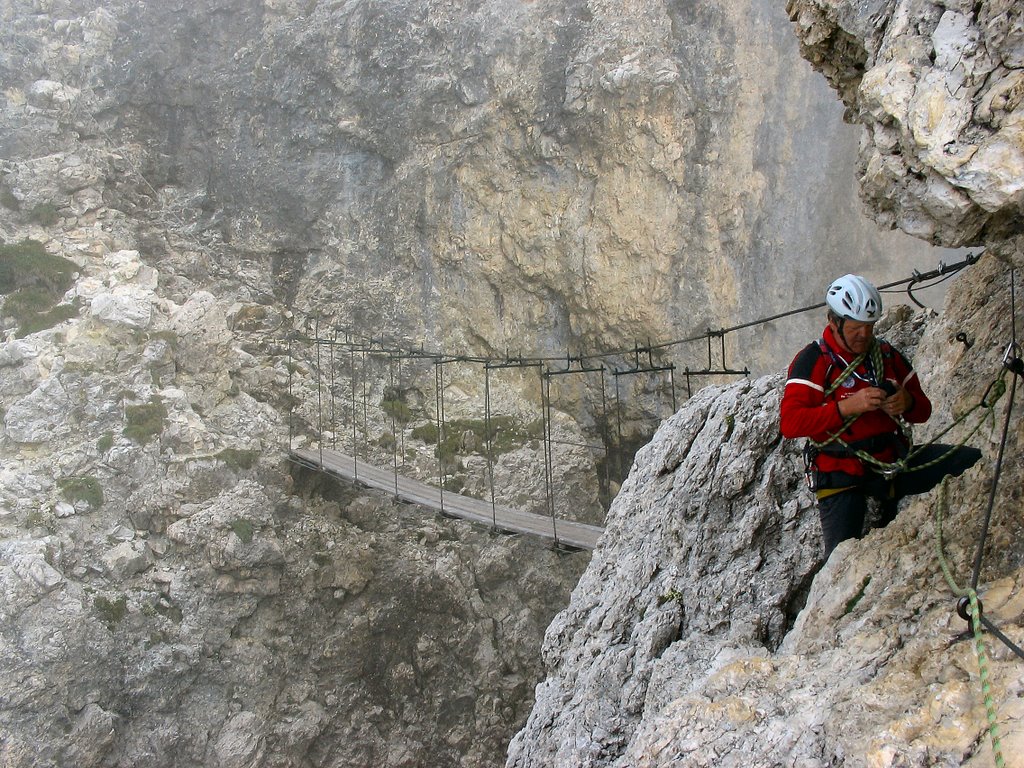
(198, 180)
(573, 176)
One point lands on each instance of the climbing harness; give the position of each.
(873, 363)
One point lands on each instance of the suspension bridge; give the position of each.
(342, 410)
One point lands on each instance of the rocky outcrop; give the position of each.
(170, 596)
(499, 178)
(704, 633)
(939, 89)
(667, 656)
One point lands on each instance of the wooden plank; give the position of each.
(344, 467)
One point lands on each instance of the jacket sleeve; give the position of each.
(804, 411)
(921, 409)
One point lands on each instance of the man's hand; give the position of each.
(898, 402)
(863, 401)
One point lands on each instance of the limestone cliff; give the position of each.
(938, 88)
(477, 176)
(703, 632)
(573, 176)
(697, 635)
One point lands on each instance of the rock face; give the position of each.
(939, 89)
(170, 596)
(679, 646)
(532, 176)
(574, 176)
(688, 640)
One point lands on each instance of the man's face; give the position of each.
(856, 336)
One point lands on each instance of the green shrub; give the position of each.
(110, 612)
(243, 529)
(455, 484)
(169, 611)
(506, 434)
(34, 281)
(28, 263)
(394, 405)
(44, 214)
(30, 321)
(8, 200)
(83, 488)
(237, 458)
(426, 433)
(672, 594)
(397, 410)
(852, 602)
(145, 421)
(106, 442)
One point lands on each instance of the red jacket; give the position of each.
(806, 412)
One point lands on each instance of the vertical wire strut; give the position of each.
(672, 385)
(366, 431)
(545, 400)
(291, 398)
(439, 408)
(352, 411)
(334, 417)
(319, 393)
(618, 431)
(403, 400)
(606, 437)
(490, 442)
(394, 423)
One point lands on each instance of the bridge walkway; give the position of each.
(344, 467)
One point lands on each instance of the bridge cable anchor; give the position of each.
(963, 610)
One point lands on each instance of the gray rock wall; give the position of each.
(937, 87)
(877, 669)
(535, 176)
(572, 176)
(705, 630)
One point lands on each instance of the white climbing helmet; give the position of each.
(851, 297)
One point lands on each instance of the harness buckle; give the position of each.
(890, 472)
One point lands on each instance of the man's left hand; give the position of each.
(898, 402)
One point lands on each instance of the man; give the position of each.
(848, 393)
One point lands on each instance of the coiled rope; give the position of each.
(992, 394)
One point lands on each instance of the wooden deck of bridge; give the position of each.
(344, 467)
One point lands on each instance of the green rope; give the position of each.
(979, 643)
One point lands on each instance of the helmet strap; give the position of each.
(842, 332)
(841, 329)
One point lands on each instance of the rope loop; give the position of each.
(889, 469)
(997, 389)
